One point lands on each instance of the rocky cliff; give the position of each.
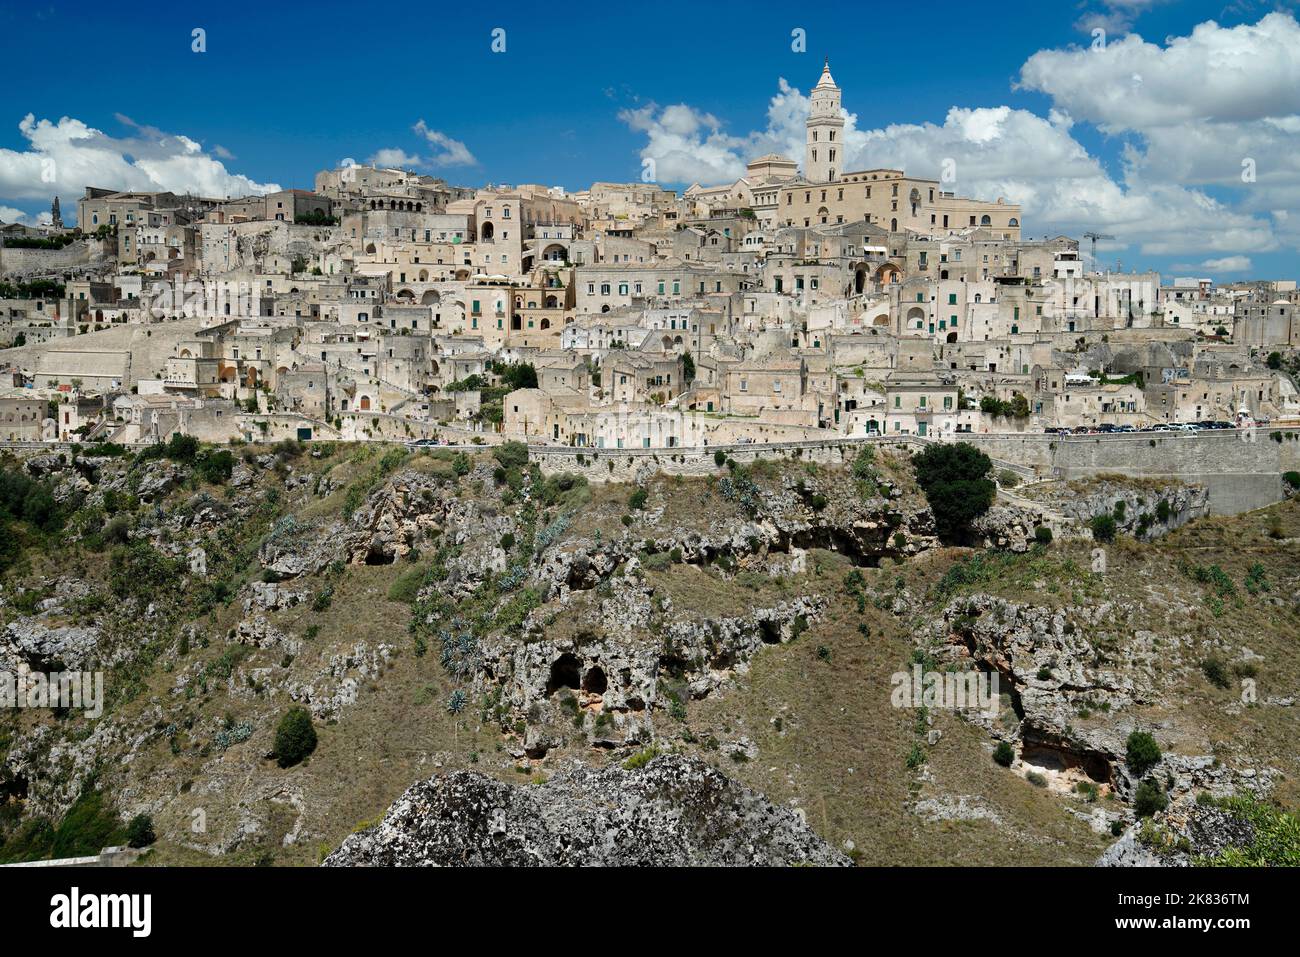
(672, 812)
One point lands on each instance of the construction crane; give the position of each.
(1094, 237)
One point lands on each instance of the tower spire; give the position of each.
(825, 130)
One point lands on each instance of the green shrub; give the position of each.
(640, 759)
(658, 562)
(719, 458)
(1043, 535)
(1149, 798)
(915, 757)
(295, 737)
(1216, 672)
(1292, 479)
(1103, 528)
(637, 499)
(215, 467)
(139, 832)
(1004, 754)
(511, 455)
(116, 531)
(1141, 752)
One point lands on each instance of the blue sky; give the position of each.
(284, 90)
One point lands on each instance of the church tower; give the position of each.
(824, 151)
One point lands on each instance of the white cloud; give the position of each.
(66, 156)
(447, 152)
(450, 152)
(393, 157)
(1215, 75)
(1228, 264)
(686, 145)
(1187, 114)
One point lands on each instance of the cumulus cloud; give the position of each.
(1188, 116)
(1215, 75)
(1228, 264)
(10, 215)
(64, 157)
(393, 157)
(446, 152)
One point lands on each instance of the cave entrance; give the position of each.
(565, 672)
(593, 681)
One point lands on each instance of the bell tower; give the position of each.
(824, 149)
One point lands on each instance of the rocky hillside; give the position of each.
(291, 637)
(672, 811)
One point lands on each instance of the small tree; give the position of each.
(1149, 798)
(295, 737)
(139, 832)
(1141, 752)
(1004, 754)
(956, 484)
(638, 499)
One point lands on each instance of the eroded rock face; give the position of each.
(30, 642)
(1006, 527)
(674, 812)
(605, 683)
(1054, 663)
(1176, 837)
(1135, 506)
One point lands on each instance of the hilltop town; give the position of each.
(400, 522)
(801, 302)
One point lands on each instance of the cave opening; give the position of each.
(594, 680)
(565, 673)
